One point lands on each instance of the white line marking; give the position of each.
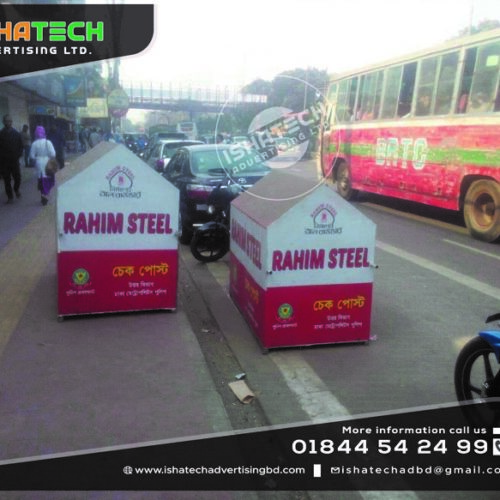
(472, 249)
(467, 281)
(321, 405)
(313, 395)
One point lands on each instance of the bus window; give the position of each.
(342, 108)
(358, 113)
(378, 93)
(352, 96)
(484, 81)
(407, 87)
(446, 83)
(465, 84)
(332, 105)
(332, 93)
(425, 89)
(391, 93)
(370, 93)
(346, 99)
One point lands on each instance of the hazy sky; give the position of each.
(233, 42)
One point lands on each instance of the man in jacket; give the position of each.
(11, 149)
(59, 142)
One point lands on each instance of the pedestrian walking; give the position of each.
(82, 138)
(56, 137)
(94, 138)
(11, 150)
(26, 137)
(41, 150)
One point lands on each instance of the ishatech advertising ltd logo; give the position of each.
(49, 32)
(38, 37)
(277, 137)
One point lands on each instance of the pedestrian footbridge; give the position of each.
(174, 97)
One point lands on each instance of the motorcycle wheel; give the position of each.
(476, 372)
(210, 245)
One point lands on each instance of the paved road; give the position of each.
(433, 289)
(120, 379)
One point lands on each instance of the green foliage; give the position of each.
(258, 87)
(485, 25)
(294, 89)
(297, 89)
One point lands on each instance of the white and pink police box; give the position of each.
(302, 263)
(116, 244)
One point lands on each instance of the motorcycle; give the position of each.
(477, 369)
(210, 241)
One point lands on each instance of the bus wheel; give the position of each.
(344, 186)
(482, 210)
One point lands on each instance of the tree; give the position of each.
(485, 25)
(299, 88)
(258, 87)
(294, 89)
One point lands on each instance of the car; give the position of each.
(160, 136)
(197, 170)
(169, 135)
(163, 150)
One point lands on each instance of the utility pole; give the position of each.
(305, 88)
(471, 16)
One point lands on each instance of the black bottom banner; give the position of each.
(445, 448)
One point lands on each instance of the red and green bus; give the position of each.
(424, 128)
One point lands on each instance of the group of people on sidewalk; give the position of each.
(15, 145)
(89, 138)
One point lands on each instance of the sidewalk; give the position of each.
(88, 382)
(14, 217)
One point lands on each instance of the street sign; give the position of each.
(118, 103)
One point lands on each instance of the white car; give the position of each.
(164, 149)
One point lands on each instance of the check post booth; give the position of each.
(116, 244)
(301, 263)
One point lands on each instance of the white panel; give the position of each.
(117, 203)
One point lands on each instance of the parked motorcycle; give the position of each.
(477, 369)
(210, 242)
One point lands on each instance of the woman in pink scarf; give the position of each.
(41, 150)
